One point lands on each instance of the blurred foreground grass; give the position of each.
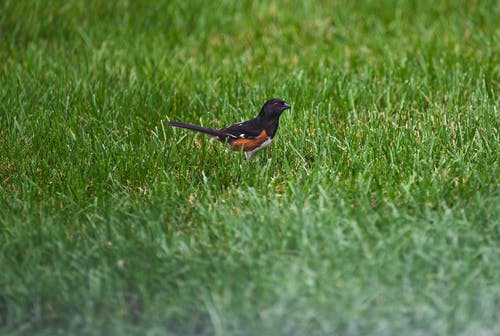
(376, 210)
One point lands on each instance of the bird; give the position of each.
(248, 136)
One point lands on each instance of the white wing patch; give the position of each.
(242, 135)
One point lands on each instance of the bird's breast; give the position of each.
(253, 144)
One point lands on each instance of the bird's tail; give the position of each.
(201, 129)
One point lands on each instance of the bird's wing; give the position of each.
(242, 130)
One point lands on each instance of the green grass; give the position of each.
(376, 210)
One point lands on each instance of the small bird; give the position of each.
(251, 135)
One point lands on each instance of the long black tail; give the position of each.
(195, 128)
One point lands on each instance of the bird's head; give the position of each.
(273, 108)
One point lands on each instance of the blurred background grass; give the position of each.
(374, 211)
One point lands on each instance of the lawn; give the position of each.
(376, 210)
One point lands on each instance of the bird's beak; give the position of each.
(286, 106)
